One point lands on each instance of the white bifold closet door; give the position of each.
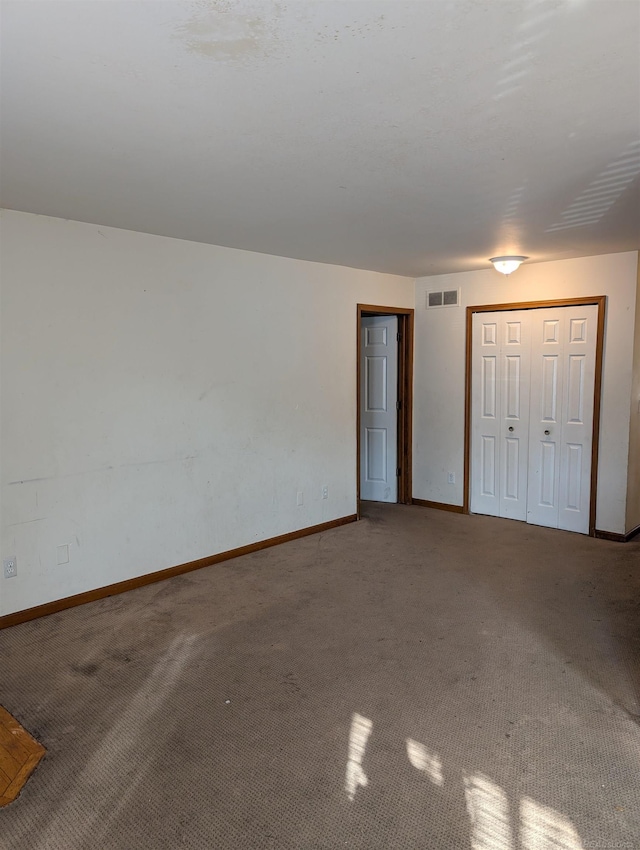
(533, 375)
(501, 359)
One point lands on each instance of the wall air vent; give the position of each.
(446, 298)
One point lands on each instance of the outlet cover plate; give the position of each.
(10, 567)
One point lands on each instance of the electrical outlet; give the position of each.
(452, 478)
(325, 492)
(300, 499)
(10, 567)
(63, 554)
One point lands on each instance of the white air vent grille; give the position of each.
(444, 298)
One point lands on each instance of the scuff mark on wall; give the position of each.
(27, 521)
(218, 31)
(107, 468)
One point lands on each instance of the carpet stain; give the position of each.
(85, 669)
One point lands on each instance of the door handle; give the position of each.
(511, 427)
(547, 433)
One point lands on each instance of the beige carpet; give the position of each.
(416, 680)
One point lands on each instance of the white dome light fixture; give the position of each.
(506, 265)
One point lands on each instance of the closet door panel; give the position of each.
(515, 356)
(580, 331)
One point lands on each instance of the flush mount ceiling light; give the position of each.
(506, 265)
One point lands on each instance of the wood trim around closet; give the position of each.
(600, 302)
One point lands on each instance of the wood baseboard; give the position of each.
(439, 506)
(617, 538)
(161, 575)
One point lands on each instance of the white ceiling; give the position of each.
(409, 137)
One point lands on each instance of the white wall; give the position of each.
(633, 485)
(164, 400)
(440, 364)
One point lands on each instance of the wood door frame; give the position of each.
(600, 301)
(404, 461)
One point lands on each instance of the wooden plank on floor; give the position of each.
(19, 755)
(13, 744)
(5, 781)
(9, 764)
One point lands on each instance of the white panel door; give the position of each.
(378, 413)
(515, 365)
(577, 421)
(500, 414)
(485, 417)
(562, 385)
(547, 374)
(533, 374)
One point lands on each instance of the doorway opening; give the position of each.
(384, 403)
(532, 411)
